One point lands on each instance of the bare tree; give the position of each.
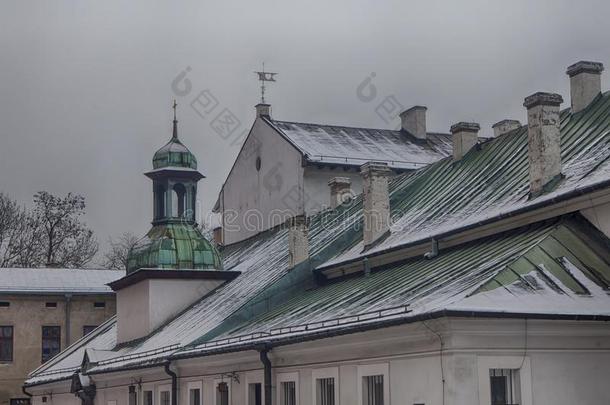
(116, 257)
(66, 241)
(17, 235)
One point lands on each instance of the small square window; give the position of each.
(87, 329)
(504, 384)
(50, 304)
(99, 304)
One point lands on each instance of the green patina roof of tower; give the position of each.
(174, 246)
(174, 154)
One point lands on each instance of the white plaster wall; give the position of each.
(600, 217)
(148, 304)
(133, 311)
(564, 364)
(261, 197)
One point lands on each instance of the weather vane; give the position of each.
(265, 77)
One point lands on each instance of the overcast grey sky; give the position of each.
(86, 85)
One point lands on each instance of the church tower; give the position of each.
(174, 265)
(174, 242)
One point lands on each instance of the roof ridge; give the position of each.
(274, 121)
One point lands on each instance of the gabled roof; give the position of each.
(339, 145)
(57, 281)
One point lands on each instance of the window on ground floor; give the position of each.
(504, 385)
(133, 395)
(147, 398)
(325, 391)
(222, 393)
(6, 343)
(194, 393)
(288, 393)
(87, 329)
(164, 398)
(51, 341)
(372, 390)
(255, 394)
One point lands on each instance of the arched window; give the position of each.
(178, 200)
(159, 202)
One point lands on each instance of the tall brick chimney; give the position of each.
(585, 83)
(340, 190)
(298, 240)
(465, 135)
(543, 140)
(376, 197)
(413, 121)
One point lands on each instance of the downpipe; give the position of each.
(264, 355)
(174, 377)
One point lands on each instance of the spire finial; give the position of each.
(175, 133)
(265, 77)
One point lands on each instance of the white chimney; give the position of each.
(543, 140)
(340, 190)
(465, 135)
(298, 241)
(376, 197)
(505, 126)
(413, 121)
(263, 110)
(585, 83)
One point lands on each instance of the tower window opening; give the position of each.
(178, 200)
(159, 202)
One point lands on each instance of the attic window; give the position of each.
(99, 304)
(50, 304)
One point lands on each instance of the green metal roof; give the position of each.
(174, 154)
(558, 259)
(174, 246)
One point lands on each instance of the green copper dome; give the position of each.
(174, 246)
(174, 154)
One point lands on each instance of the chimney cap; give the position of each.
(339, 181)
(505, 122)
(414, 108)
(465, 126)
(585, 66)
(541, 98)
(375, 168)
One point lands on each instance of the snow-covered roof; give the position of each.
(547, 268)
(57, 281)
(339, 145)
(490, 182)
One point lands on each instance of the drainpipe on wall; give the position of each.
(267, 374)
(25, 392)
(68, 308)
(174, 377)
